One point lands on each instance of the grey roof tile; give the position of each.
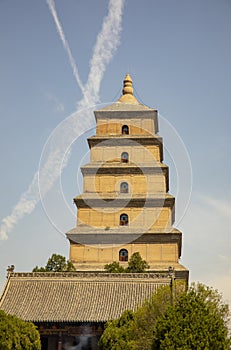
(77, 297)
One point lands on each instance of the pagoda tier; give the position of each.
(125, 206)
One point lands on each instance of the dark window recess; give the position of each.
(124, 157)
(123, 187)
(125, 130)
(123, 220)
(123, 255)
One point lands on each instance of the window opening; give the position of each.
(123, 255)
(125, 130)
(123, 220)
(124, 157)
(124, 187)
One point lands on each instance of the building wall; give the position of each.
(148, 218)
(104, 152)
(139, 184)
(137, 126)
(152, 253)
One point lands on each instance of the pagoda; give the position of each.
(125, 206)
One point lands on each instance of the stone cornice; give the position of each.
(127, 112)
(124, 140)
(114, 168)
(104, 202)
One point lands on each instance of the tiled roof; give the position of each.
(77, 297)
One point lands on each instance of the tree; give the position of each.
(118, 333)
(56, 263)
(197, 320)
(17, 334)
(147, 315)
(134, 330)
(135, 264)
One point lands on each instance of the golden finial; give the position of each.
(128, 96)
(128, 89)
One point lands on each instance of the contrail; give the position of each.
(51, 5)
(25, 205)
(106, 44)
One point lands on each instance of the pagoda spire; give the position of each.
(128, 88)
(128, 96)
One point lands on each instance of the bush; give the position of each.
(56, 263)
(17, 334)
(135, 265)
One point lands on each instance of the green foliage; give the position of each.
(39, 269)
(17, 334)
(56, 263)
(197, 320)
(134, 330)
(147, 316)
(135, 264)
(118, 333)
(114, 267)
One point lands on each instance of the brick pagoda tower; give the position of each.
(125, 206)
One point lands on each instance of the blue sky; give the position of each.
(178, 53)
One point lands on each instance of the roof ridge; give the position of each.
(83, 274)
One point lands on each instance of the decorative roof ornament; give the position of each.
(128, 96)
(10, 270)
(128, 89)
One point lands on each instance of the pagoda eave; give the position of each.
(107, 202)
(124, 168)
(99, 238)
(114, 140)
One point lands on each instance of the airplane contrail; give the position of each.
(51, 5)
(107, 42)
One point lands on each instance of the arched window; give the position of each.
(123, 220)
(125, 130)
(124, 187)
(123, 255)
(124, 157)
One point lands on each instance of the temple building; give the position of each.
(125, 208)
